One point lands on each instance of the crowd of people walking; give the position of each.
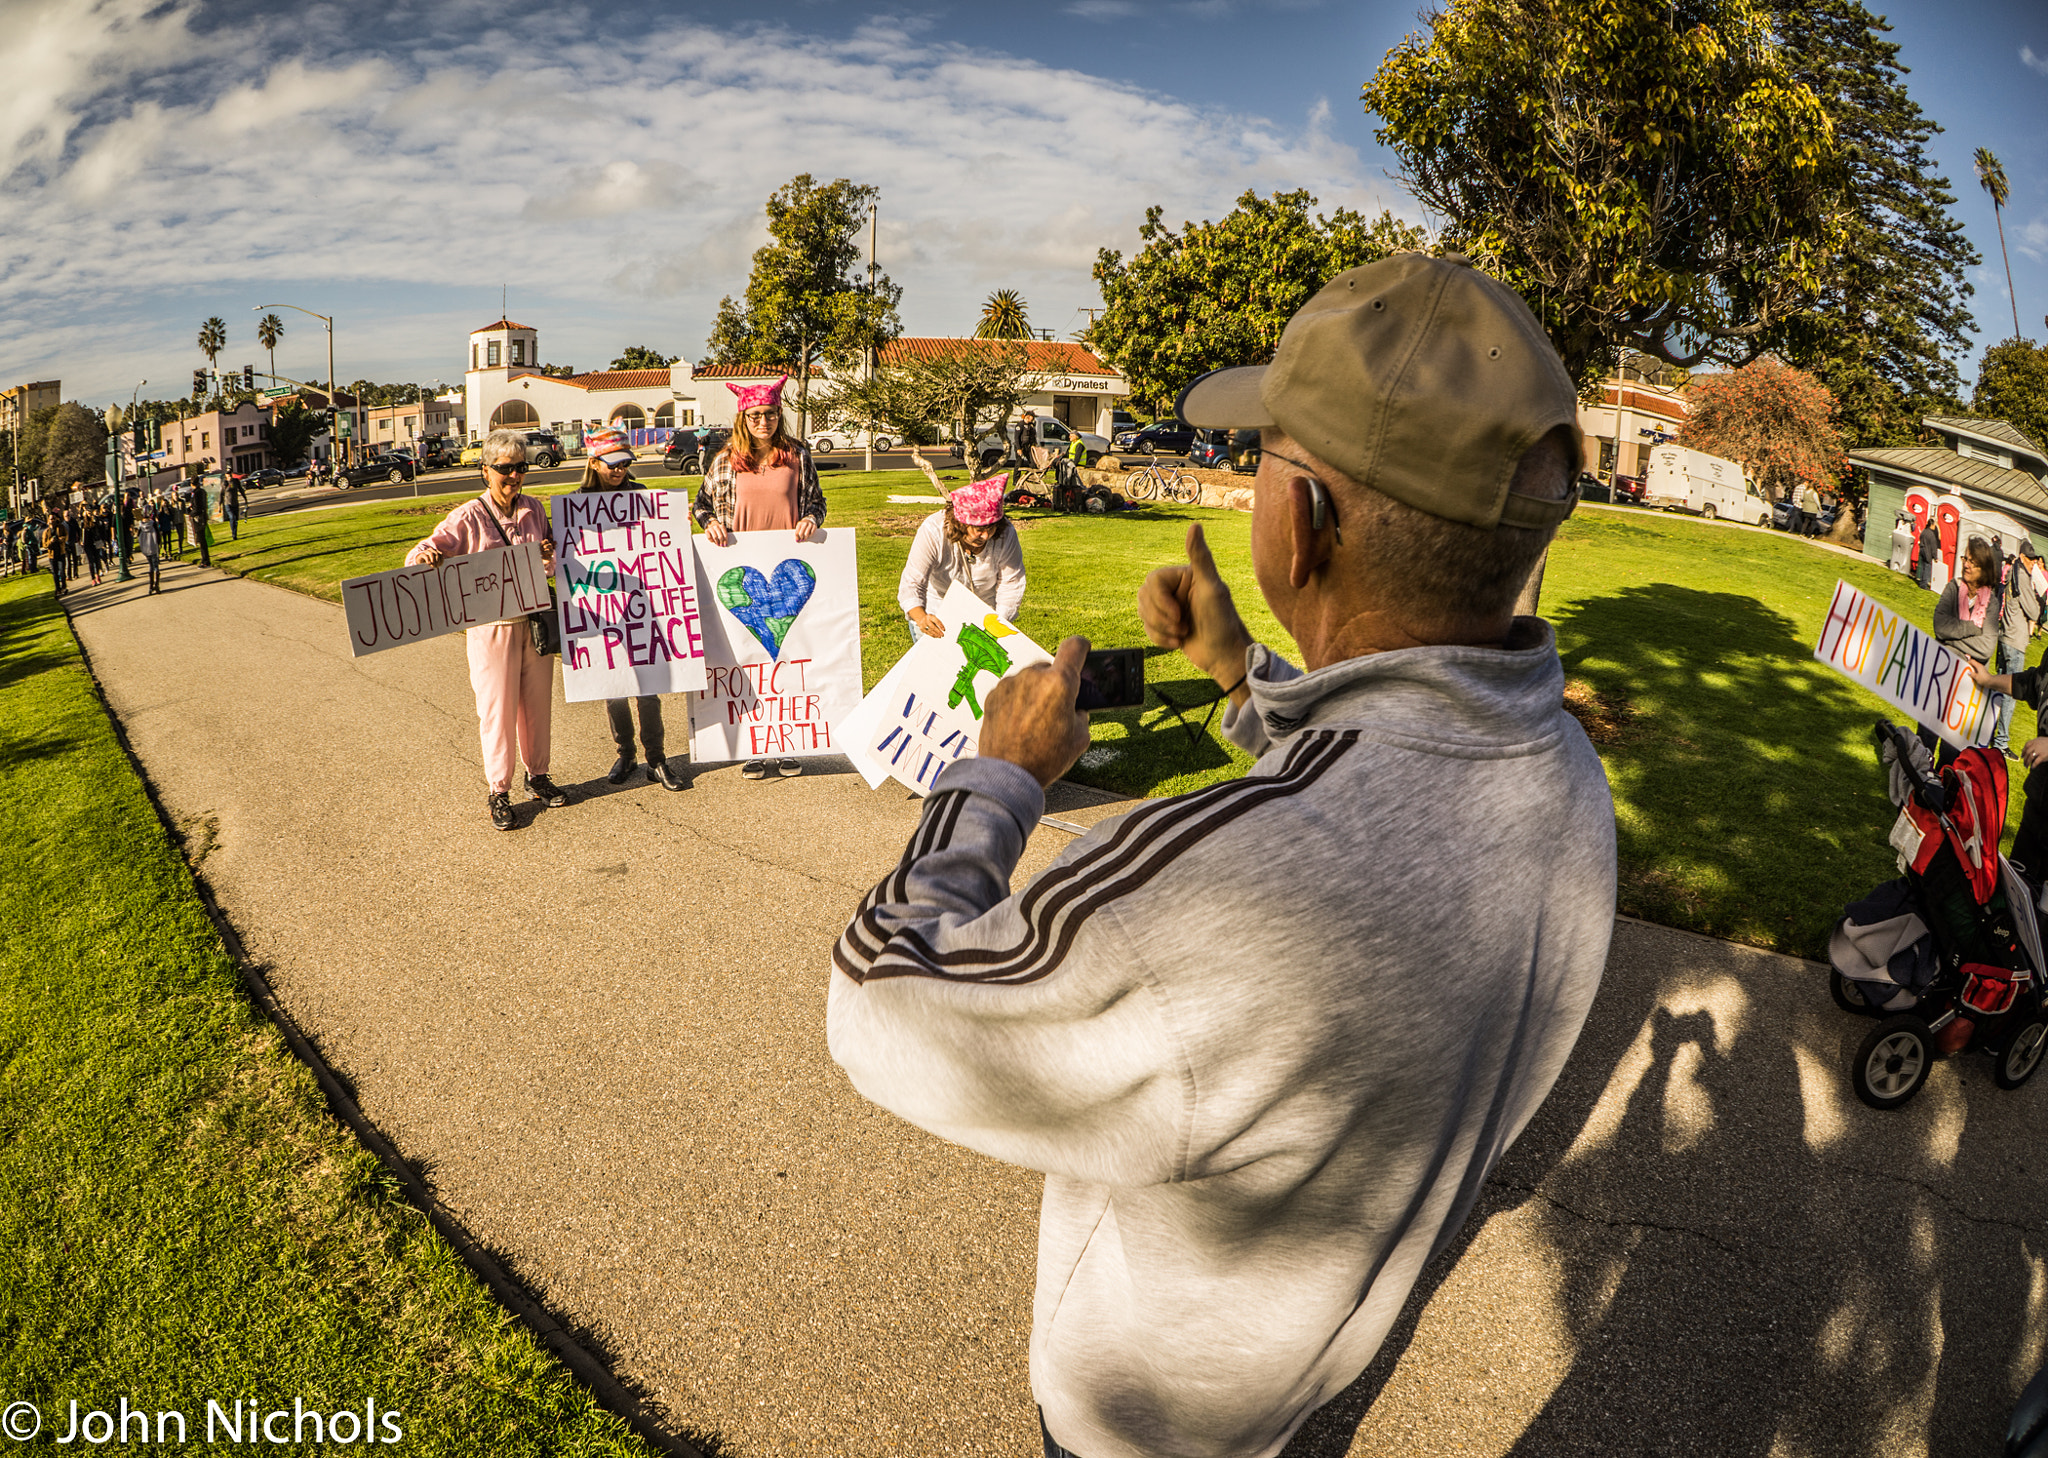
(84, 539)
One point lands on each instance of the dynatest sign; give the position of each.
(1878, 648)
(412, 604)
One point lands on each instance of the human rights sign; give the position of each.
(626, 587)
(1876, 646)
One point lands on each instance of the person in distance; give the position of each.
(1266, 1040)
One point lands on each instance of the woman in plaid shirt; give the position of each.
(763, 481)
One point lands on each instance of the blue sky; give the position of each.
(396, 166)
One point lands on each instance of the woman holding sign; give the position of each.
(514, 685)
(610, 468)
(1966, 621)
(972, 543)
(763, 481)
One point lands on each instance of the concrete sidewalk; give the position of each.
(602, 1038)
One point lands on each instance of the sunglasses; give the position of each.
(518, 469)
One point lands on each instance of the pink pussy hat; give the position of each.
(608, 446)
(753, 396)
(981, 502)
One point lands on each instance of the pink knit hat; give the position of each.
(753, 395)
(981, 502)
(608, 446)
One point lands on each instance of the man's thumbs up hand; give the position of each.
(1189, 608)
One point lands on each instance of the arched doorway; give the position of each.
(514, 414)
(665, 415)
(630, 417)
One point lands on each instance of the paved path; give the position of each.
(602, 1036)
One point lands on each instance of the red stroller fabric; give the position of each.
(1975, 822)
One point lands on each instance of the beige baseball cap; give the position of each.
(1419, 377)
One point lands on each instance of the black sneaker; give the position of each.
(546, 790)
(790, 768)
(500, 805)
(665, 774)
(621, 767)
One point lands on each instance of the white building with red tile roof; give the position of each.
(505, 389)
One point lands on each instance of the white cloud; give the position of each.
(2032, 239)
(2032, 61)
(148, 164)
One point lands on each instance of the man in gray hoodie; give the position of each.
(1266, 1040)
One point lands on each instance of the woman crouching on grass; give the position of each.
(610, 468)
(763, 481)
(972, 543)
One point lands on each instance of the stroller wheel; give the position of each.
(1892, 1063)
(1848, 996)
(2022, 1055)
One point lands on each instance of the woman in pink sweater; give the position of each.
(514, 685)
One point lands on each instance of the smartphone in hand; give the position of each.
(1112, 678)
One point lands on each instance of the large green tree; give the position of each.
(1890, 317)
(292, 428)
(1646, 173)
(808, 298)
(1003, 316)
(640, 357)
(2012, 385)
(74, 447)
(1218, 294)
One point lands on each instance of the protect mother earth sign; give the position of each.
(781, 645)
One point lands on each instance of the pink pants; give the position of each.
(515, 687)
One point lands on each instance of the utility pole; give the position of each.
(868, 354)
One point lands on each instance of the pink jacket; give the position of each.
(468, 529)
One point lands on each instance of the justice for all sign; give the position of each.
(412, 604)
(626, 584)
(1929, 683)
(781, 646)
(926, 711)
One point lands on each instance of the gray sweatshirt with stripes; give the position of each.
(1264, 1040)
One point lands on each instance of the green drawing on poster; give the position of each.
(984, 655)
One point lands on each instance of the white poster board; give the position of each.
(781, 645)
(926, 711)
(1880, 650)
(412, 604)
(626, 586)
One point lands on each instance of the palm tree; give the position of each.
(1002, 317)
(1991, 173)
(270, 329)
(213, 338)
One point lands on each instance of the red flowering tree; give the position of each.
(1777, 421)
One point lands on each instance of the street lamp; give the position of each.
(123, 518)
(333, 435)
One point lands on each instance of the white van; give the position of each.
(1705, 485)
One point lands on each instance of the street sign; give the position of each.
(275, 394)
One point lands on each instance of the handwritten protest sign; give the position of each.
(1879, 649)
(626, 582)
(412, 604)
(926, 711)
(781, 645)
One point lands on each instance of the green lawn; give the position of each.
(1743, 780)
(180, 1217)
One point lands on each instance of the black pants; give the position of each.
(2030, 842)
(621, 714)
(156, 580)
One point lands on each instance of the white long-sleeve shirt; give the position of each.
(995, 575)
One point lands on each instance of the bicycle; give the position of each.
(1153, 479)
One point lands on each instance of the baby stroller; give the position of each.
(1948, 956)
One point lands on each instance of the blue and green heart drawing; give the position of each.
(768, 605)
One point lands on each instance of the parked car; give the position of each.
(1121, 421)
(544, 449)
(826, 442)
(268, 476)
(1226, 450)
(1630, 490)
(1592, 488)
(472, 454)
(1052, 434)
(1781, 518)
(1161, 437)
(378, 468)
(302, 468)
(689, 451)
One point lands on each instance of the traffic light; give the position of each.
(248, 377)
(199, 384)
(138, 437)
(156, 435)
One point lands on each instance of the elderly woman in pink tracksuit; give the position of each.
(514, 685)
